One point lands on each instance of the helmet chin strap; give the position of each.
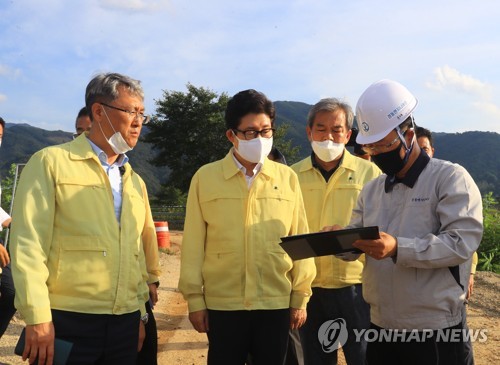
(402, 138)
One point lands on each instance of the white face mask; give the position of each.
(116, 141)
(254, 150)
(0, 141)
(328, 150)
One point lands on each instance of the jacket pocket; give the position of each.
(223, 274)
(83, 268)
(274, 269)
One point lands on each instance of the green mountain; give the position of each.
(295, 115)
(22, 140)
(476, 151)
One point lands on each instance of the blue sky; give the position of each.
(446, 52)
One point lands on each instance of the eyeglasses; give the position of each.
(251, 134)
(134, 114)
(371, 150)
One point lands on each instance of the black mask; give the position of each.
(390, 162)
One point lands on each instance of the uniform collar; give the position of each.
(230, 168)
(412, 175)
(348, 161)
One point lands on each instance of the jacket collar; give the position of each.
(80, 149)
(230, 169)
(348, 161)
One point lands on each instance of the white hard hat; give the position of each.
(381, 108)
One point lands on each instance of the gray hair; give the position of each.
(105, 88)
(331, 105)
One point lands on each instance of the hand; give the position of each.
(297, 318)
(470, 288)
(335, 227)
(153, 293)
(4, 256)
(199, 320)
(385, 246)
(6, 222)
(142, 335)
(39, 343)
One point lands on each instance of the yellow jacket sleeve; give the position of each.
(31, 236)
(193, 251)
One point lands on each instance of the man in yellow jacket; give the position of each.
(240, 285)
(331, 180)
(82, 223)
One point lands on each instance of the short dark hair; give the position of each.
(82, 113)
(2, 122)
(276, 156)
(358, 149)
(247, 102)
(424, 132)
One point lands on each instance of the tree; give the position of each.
(188, 131)
(290, 152)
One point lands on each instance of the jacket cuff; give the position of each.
(196, 303)
(298, 301)
(405, 255)
(36, 316)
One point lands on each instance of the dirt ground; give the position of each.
(178, 343)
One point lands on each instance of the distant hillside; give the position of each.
(476, 151)
(22, 140)
(295, 114)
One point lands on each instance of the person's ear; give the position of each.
(308, 132)
(348, 136)
(97, 112)
(409, 136)
(230, 136)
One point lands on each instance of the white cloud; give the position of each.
(3, 98)
(474, 95)
(450, 78)
(488, 108)
(9, 72)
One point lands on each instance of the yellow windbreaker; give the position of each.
(231, 258)
(68, 250)
(332, 202)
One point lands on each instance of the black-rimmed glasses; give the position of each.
(134, 114)
(251, 134)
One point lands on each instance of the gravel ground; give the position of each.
(178, 343)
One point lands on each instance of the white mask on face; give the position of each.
(116, 141)
(254, 150)
(328, 150)
(0, 141)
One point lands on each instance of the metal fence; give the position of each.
(173, 214)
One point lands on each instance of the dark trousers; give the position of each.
(330, 304)
(432, 351)
(7, 292)
(149, 352)
(468, 352)
(101, 339)
(294, 354)
(262, 334)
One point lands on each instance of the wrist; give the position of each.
(145, 318)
